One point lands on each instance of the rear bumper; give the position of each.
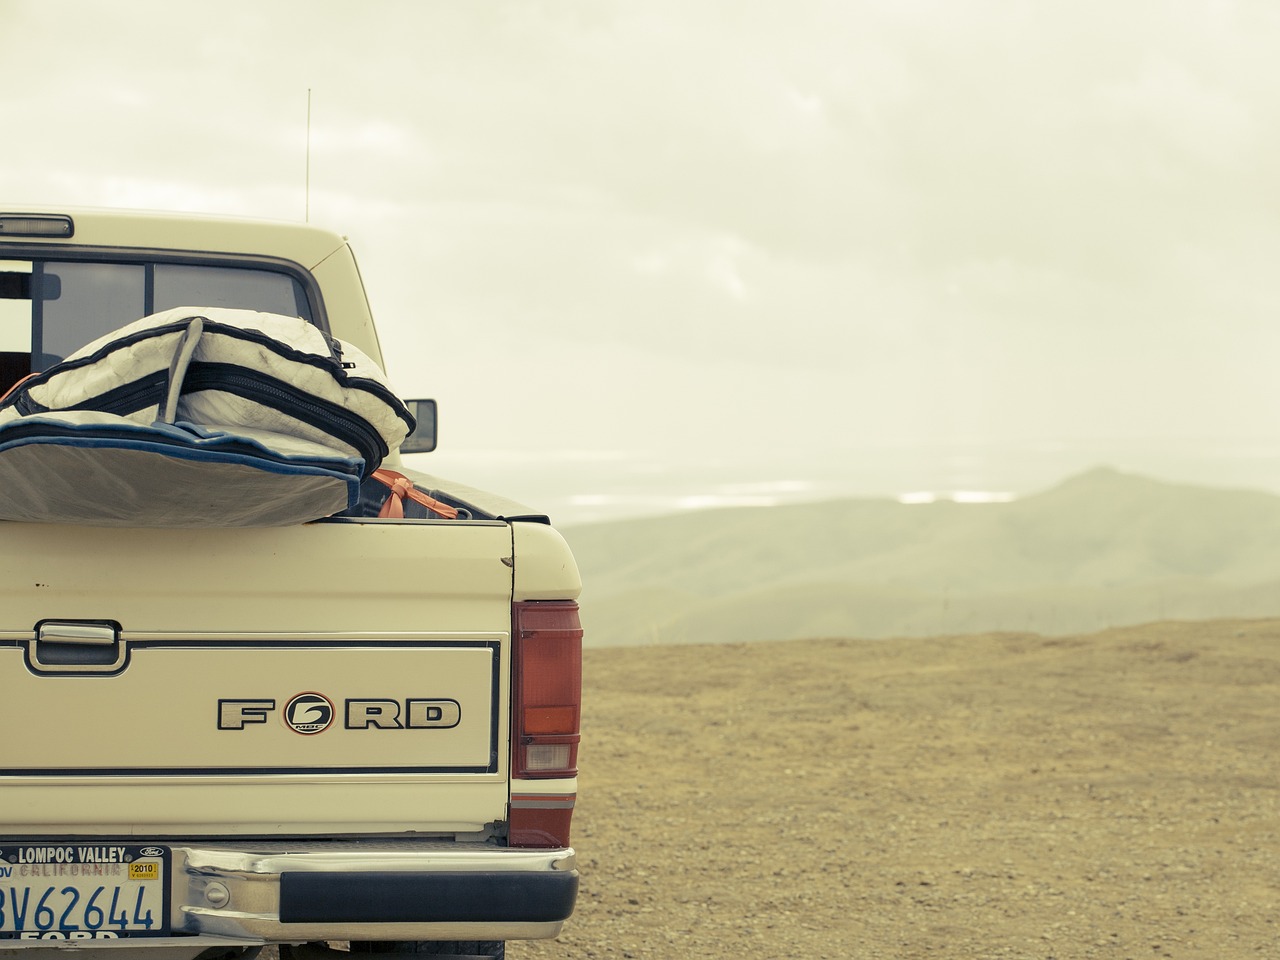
(230, 896)
(436, 891)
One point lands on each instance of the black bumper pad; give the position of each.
(388, 897)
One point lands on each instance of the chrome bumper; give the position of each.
(355, 891)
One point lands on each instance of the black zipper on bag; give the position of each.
(327, 417)
(335, 347)
(22, 398)
(335, 364)
(148, 391)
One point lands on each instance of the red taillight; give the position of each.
(547, 685)
(545, 715)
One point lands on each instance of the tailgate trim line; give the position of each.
(494, 647)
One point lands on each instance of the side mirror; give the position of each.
(423, 438)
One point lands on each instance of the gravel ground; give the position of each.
(1110, 796)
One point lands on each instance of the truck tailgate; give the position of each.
(188, 681)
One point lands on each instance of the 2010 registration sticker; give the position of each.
(62, 891)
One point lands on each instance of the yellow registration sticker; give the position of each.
(144, 871)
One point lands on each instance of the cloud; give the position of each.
(920, 219)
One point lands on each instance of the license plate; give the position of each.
(62, 891)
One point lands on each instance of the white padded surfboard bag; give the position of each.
(198, 416)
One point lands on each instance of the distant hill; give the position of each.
(1102, 549)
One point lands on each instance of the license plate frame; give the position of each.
(101, 890)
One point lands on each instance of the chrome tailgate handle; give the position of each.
(76, 647)
(55, 631)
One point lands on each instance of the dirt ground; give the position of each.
(1110, 796)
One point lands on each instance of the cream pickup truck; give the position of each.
(352, 734)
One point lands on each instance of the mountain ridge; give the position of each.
(1101, 548)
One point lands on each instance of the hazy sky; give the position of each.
(737, 244)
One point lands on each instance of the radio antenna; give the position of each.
(307, 202)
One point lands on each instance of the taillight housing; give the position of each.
(546, 689)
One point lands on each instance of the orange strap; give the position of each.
(401, 487)
(8, 393)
